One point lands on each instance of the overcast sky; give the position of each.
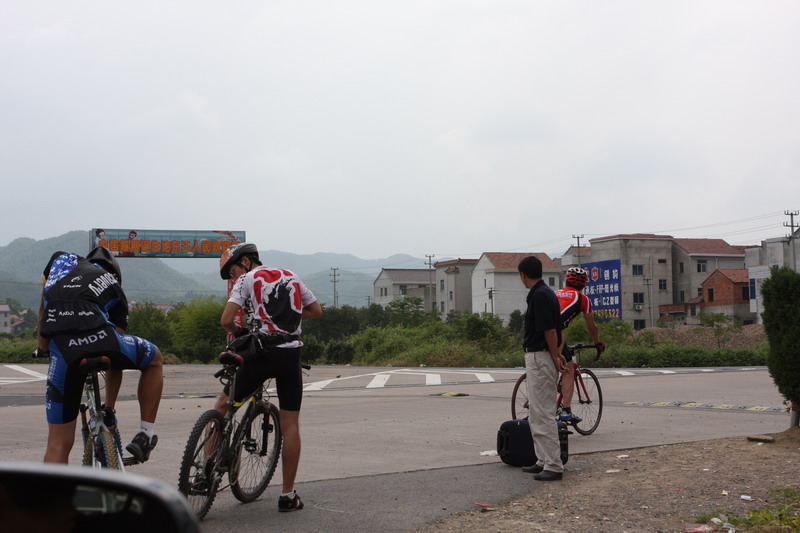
(445, 127)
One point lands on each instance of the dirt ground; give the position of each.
(657, 489)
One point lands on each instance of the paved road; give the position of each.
(384, 449)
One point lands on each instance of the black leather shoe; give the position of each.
(547, 475)
(535, 469)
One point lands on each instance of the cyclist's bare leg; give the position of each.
(60, 438)
(290, 458)
(113, 383)
(222, 404)
(151, 384)
(568, 385)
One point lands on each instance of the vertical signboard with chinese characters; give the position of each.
(165, 243)
(605, 289)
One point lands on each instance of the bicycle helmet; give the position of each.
(233, 255)
(577, 277)
(102, 257)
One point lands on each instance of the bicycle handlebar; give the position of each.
(579, 347)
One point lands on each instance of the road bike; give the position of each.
(245, 444)
(102, 447)
(587, 400)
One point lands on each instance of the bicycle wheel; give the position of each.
(198, 479)
(88, 451)
(519, 399)
(105, 451)
(258, 446)
(589, 405)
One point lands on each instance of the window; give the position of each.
(639, 324)
(683, 296)
(680, 268)
(702, 265)
(662, 284)
(451, 296)
(551, 281)
(441, 284)
(694, 311)
(700, 291)
(745, 293)
(710, 295)
(638, 297)
(441, 305)
(638, 270)
(662, 261)
(403, 290)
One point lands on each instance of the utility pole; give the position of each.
(335, 294)
(792, 238)
(578, 237)
(369, 301)
(430, 279)
(491, 298)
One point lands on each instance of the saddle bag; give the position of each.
(515, 443)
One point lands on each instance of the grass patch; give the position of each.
(783, 515)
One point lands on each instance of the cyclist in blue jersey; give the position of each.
(84, 312)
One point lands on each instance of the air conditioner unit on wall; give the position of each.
(638, 307)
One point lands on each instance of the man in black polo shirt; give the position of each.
(543, 364)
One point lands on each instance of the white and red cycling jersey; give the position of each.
(277, 297)
(572, 302)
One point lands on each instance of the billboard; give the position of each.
(605, 289)
(165, 243)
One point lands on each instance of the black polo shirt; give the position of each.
(543, 313)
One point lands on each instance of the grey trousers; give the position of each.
(542, 378)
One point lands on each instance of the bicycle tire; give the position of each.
(519, 399)
(258, 447)
(105, 451)
(587, 402)
(88, 451)
(198, 480)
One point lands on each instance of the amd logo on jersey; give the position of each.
(91, 339)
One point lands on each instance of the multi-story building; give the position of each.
(496, 287)
(640, 277)
(6, 320)
(454, 285)
(398, 283)
(773, 253)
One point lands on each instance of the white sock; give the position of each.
(289, 494)
(148, 428)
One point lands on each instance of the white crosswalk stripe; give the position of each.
(31, 376)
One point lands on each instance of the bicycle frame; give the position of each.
(93, 423)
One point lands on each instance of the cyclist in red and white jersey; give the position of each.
(573, 302)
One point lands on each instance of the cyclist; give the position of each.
(85, 312)
(573, 302)
(279, 301)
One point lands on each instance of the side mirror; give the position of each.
(61, 498)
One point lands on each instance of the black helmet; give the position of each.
(233, 255)
(101, 256)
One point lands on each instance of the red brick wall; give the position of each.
(726, 292)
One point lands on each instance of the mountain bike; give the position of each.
(102, 447)
(244, 444)
(587, 400)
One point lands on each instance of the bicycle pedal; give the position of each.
(129, 461)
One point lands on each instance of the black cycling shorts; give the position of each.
(282, 364)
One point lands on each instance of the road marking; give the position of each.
(667, 372)
(26, 371)
(624, 373)
(378, 381)
(484, 378)
(33, 376)
(698, 405)
(433, 379)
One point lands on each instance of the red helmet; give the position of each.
(577, 277)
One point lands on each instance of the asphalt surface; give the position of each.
(384, 449)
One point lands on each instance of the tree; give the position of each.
(781, 294)
(722, 324)
(149, 322)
